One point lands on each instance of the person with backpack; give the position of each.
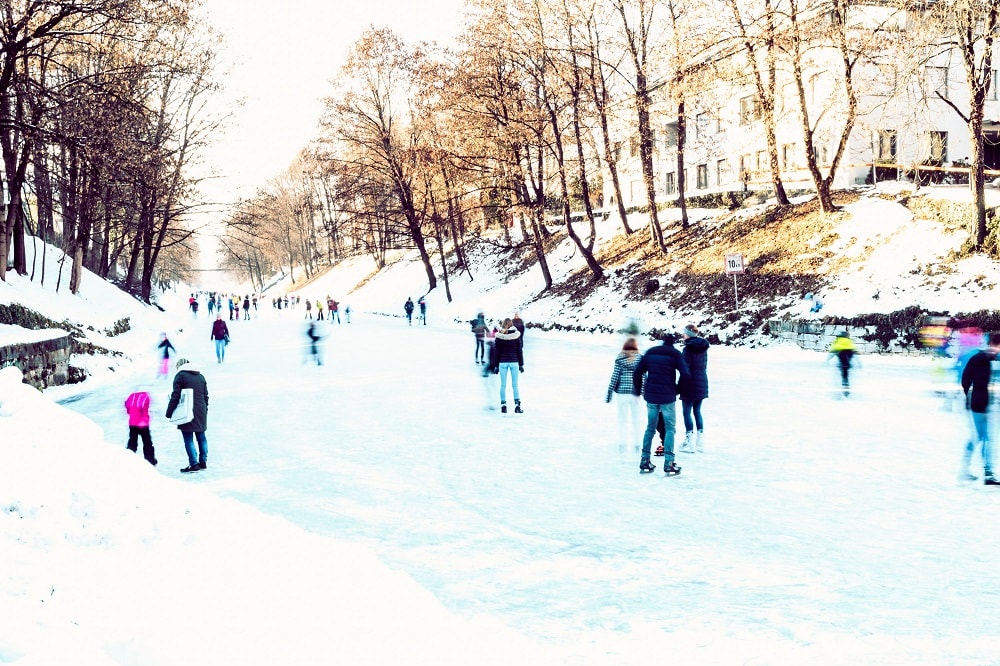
(479, 330)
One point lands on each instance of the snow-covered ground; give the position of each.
(373, 510)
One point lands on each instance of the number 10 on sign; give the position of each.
(734, 265)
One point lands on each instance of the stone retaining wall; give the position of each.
(44, 363)
(819, 336)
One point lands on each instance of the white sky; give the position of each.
(281, 57)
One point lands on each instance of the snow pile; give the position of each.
(108, 561)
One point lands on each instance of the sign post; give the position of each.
(734, 265)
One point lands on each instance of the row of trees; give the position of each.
(102, 117)
(520, 124)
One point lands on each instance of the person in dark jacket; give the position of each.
(479, 329)
(189, 377)
(519, 325)
(220, 334)
(695, 355)
(408, 309)
(165, 346)
(976, 379)
(508, 355)
(657, 376)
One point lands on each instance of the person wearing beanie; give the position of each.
(657, 376)
(695, 356)
(189, 377)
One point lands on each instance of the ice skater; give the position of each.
(844, 351)
(657, 376)
(695, 355)
(621, 387)
(137, 405)
(509, 362)
(976, 378)
(163, 369)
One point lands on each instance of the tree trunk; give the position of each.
(681, 180)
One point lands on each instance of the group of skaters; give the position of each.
(971, 354)
(661, 376)
(500, 350)
(187, 406)
(216, 303)
(409, 307)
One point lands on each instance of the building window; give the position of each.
(702, 123)
(939, 147)
(749, 109)
(936, 79)
(671, 183)
(788, 156)
(763, 163)
(820, 154)
(721, 169)
(702, 177)
(616, 151)
(886, 146)
(633, 146)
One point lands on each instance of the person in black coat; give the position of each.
(189, 377)
(695, 355)
(657, 376)
(976, 377)
(508, 359)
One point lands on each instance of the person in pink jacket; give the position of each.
(137, 406)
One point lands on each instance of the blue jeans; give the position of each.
(202, 455)
(689, 407)
(220, 350)
(980, 438)
(670, 423)
(512, 370)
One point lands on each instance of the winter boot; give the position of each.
(645, 467)
(687, 446)
(671, 469)
(503, 407)
(989, 479)
(517, 407)
(699, 441)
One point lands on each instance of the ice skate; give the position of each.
(687, 446)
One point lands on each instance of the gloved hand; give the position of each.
(520, 368)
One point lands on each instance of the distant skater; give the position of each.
(220, 335)
(479, 330)
(163, 368)
(408, 309)
(844, 351)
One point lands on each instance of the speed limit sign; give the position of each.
(734, 263)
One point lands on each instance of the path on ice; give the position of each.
(806, 517)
